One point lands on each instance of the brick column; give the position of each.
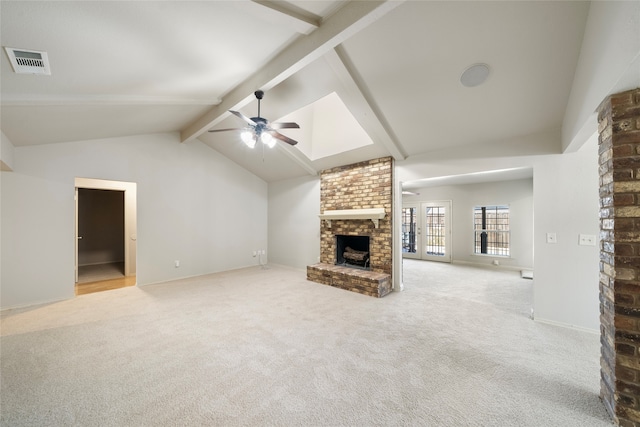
(619, 151)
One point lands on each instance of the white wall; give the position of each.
(566, 199)
(294, 226)
(518, 195)
(194, 205)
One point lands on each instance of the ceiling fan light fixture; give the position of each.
(259, 128)
(268, 140)
(249, 138)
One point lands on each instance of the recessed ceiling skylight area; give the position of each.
(327, 128)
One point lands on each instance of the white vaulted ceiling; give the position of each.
(124, 68)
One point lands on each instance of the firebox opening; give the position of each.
(352, 251)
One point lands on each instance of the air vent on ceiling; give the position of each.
(26, 61)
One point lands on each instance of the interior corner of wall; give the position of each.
(573, 141)
(5, 167)
(6, 153)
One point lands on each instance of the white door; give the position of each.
(426, 231)
(436, 230)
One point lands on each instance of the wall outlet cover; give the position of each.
(587, 240)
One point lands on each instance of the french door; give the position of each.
(426, 231)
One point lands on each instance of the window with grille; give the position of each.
(491, 230)
(435, 231)
(409, 226)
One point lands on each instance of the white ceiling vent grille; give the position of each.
(26, 61)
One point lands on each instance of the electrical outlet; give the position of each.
(551, 238)
(176, 263)
(587, 240)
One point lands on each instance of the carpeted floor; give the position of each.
(263, 347)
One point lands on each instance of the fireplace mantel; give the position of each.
(374, 214)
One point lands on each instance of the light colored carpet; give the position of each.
(263, 347)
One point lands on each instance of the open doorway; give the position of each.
(468, 268)
(105, 235)
(485, 227)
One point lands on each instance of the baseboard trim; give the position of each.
(496, 267)
(192, 276)
(32, 305)
(567, 325)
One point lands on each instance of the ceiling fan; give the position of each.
(259, 128)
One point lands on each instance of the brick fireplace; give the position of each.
(357, 201)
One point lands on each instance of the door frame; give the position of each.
(130, 218)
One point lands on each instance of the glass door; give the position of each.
(410, 231)
(436, 236)
(426, 231)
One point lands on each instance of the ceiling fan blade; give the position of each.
(224, 130)
(281, 137)
(243, 117)
(284, 125)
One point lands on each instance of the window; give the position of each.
(491, 230)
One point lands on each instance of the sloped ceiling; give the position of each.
(123, 68)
